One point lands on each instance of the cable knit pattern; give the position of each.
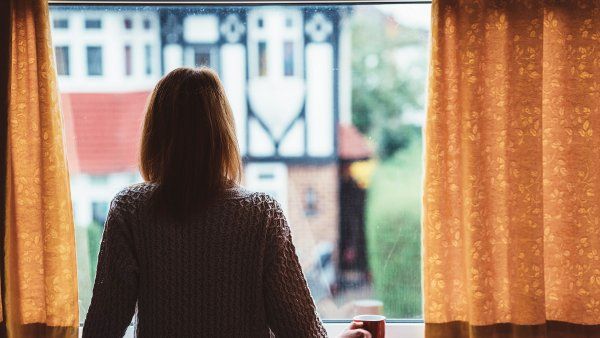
(231, 272)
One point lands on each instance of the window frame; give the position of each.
(394, 327)
(61, 20)
(87, 26)
(100, 49)
(232, 2)
(65, 53)
(128, 58)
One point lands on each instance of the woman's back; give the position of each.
(228, 271)
(198, 255)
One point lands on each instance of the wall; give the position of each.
(311, 231)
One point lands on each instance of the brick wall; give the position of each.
(321, 224)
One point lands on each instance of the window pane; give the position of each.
(128, 70)
(288, 62)
(328, 104)
(62, 60)
(93, 23)
(262, 58)
(60, 23)
(202, 57)
(94, 60)
(148, 59)
(128, 23)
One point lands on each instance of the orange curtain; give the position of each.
(40, 291)
(511, 228)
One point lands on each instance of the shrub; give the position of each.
(94, 237)
(393, 232)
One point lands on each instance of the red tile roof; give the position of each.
(352, 145)
(103, 131)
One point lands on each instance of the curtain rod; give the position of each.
(233, 2)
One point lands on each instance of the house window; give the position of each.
(262, 58)
(202, 57)
(148, 59)
(147, 24)
(288, 58)
(62, 60)
(94, 60)
(62, 23)
(260, 23)
(93, 23)
(310, 202)
(128, 65)
(128, 23)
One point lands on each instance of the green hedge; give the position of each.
(393, 231)
(94, 237)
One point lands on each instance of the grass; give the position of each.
(394, 231)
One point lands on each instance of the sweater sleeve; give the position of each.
(115, 289)
(290, 308)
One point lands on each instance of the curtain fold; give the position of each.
(40, 274)
(512, 179)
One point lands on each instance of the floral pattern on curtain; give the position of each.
(511, 228)
(40, 267)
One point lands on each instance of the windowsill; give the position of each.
(395, 329)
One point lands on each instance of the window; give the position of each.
(148, 59)
(301, 82)
(310, 202)
(60, 23)
(62, 60)
(128, 23)
(262, 58)
(94, 60)
(93, 23)
(288, 62)
(128, 70)
(202, 57)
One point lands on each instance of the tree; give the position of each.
(382, 90)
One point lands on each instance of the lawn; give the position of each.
(394, 231)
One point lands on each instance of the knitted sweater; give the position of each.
(230, 272)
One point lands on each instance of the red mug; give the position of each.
(375, 324)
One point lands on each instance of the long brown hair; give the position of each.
(189, 147)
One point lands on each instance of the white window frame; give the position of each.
(394, 328)
(274, 38)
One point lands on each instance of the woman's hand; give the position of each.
(355, 331)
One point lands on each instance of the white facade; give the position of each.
(137, 31)
(277, 64)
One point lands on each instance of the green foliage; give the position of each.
(389, 67)
(393, 138)
(394, 232)
(384, 85)
(94, 238)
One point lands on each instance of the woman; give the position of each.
(198, 255)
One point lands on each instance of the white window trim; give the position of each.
(392, 330)
(232, 2)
